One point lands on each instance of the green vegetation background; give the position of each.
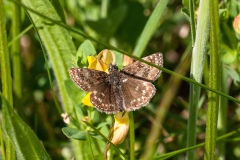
(41, 40)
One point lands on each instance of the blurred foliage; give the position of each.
(120, 23)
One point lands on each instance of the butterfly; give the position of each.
(117, 91)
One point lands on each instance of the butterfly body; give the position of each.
(125, 90)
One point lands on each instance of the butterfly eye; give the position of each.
(112, 67)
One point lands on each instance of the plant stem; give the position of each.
(131, 135)
(16, 58)
(7, 146)
(222, 117)
(5, 60)
(214, 82)
(192, 20)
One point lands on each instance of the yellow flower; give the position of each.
(86, 100)
(120, 129)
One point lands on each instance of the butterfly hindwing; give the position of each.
(104, 100)
(136, 93)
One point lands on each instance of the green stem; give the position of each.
(222, 117)
(214, 82)
(5, 60)
(19, 35)
(131, 135)
(192, 20)
(6, 81)
(16, 58)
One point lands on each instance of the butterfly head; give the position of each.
(112, 68)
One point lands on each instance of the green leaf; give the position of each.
(85, 49)
(185, 9)
(74, 133)
(95, 135)
(57, 42)
(24, 140)
(228, 55)
(234, 8)
(234, 75)
(59, 9)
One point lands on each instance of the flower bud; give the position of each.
(236, 24)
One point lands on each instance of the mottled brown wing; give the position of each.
(88, 79)
(96, 82)
(136, 93)
(144, 71)
(104, 100)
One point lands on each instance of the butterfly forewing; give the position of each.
(144, 71)
(88, 79)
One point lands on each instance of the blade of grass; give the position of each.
(16, 59)
(192, 20)
(222, 116)
(5, 60)
(214, 82)
(3, 148)
(197, 66)
(150, 27)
